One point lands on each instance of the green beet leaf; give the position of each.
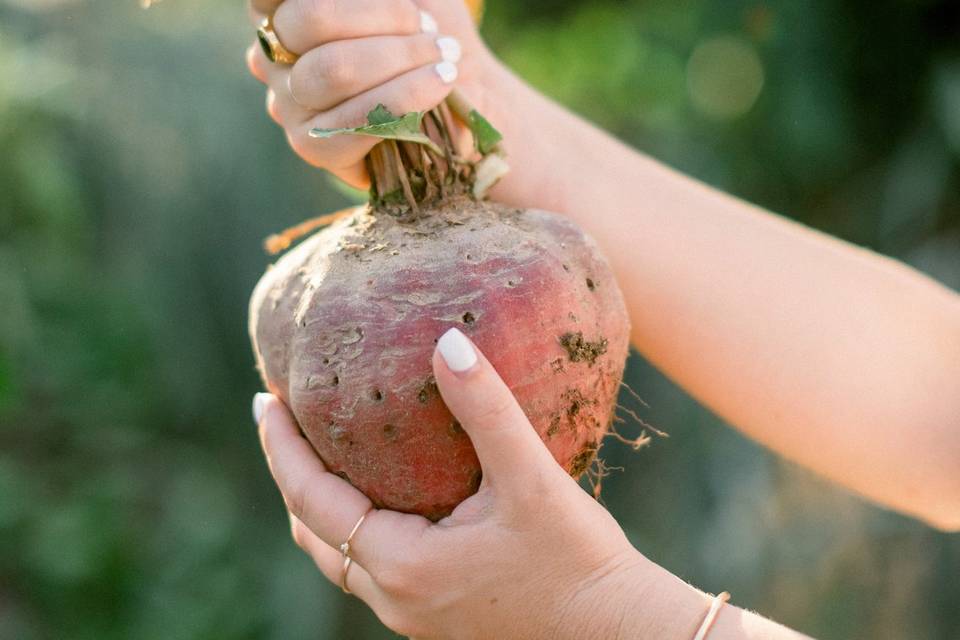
(485, 136)
(383, 124)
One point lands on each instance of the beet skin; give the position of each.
(344, 327)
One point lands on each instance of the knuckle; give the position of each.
(303, 83)
(417, 94)
(300, 496)
(273, 107)
(304, 146)
(293, 499)
(421, 49)
(297, 143)
(403, 578)
(394, 581)
(315, 12)
(312, 505)
(297, 533)
(400, 623)
(496, 415)
(425, 94)
(407, 14)
(333, 68)
(353, 114)
(537, 495)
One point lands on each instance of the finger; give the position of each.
(302, 25)
(330, 561)
(281, 105)
(451, 13)
(332, 73)
(418, 90)
(262, 69)
(265, 7)
(355, 176)
(507, 444)
(283, 108)
(326, 503)
(255, 66)
(330, 156)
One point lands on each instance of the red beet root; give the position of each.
(344, 327)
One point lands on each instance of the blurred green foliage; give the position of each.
(138, 175)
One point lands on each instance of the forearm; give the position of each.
(837, 358)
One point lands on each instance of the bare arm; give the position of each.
(838, 358)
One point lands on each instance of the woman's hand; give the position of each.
(530, 555)
(355, 55)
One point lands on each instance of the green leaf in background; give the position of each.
(383, 124)
(485, 136)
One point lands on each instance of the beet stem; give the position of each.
(404, 178)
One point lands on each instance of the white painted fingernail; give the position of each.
(259, 402)
(450, 49)
(427, 23)
(447, 71)
(456, 351)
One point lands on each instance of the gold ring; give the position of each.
(272, 47)
(345, 547)
(347, 561)
(345, 551)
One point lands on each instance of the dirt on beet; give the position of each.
(581, 350)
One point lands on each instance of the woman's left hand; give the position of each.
(530, 555)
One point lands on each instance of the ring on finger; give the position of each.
(345, 547)
(345, 551)
(272, 47)
(347, 561)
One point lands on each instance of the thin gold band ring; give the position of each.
(345, 551)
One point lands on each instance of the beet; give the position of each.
(344, 327)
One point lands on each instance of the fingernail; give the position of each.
(447, 71)
(450, 49)
(259, 402)
(427, 23)
(456, 351)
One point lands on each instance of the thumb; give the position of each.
(507, 445)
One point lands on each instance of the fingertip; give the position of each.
(274, 415)
(428, 24)
(457, 352)
(447, 72)
(255, 63)
(259, 403)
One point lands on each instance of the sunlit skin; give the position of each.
(834, 357)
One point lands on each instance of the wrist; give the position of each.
(529, 123)
(654, 603)
(630, 598)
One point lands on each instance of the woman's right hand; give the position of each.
(355, 55)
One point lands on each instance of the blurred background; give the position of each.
(139, 174)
